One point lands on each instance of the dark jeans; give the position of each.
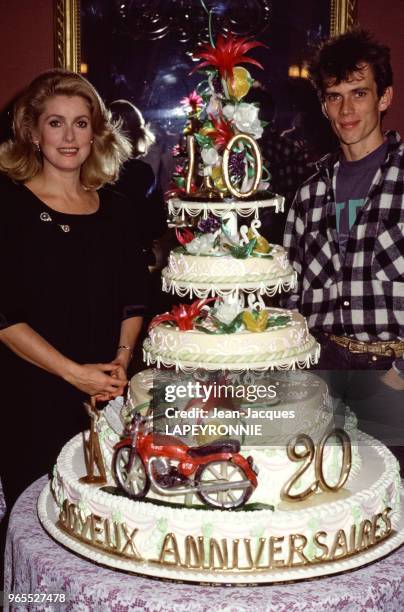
(355, 380)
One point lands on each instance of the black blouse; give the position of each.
(73, 279)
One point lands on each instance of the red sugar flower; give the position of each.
(183, 315)
(229, 52)
(184, 235)
(221, 132)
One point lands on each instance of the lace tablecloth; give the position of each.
(2, 502)
(35, 563)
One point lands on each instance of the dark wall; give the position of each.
(385, 20)
(26, 43)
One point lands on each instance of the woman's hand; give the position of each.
(122, 360)
(104, 380)
(120, 375)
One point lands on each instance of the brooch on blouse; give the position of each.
(48, 219)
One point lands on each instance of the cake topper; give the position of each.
(217, 473)
(220, 156)
(92, 451)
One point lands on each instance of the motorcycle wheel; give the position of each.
(136, 482)
(225, 471)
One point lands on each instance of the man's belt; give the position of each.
(390, 348)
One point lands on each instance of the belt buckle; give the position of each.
(389, 351)
(355, 343)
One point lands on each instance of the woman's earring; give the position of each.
(37, 147)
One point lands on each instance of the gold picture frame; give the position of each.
(343, 16)
(67, 34)
(67, 28)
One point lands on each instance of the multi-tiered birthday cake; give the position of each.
(162, 488)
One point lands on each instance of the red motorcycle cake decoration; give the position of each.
(217, 473)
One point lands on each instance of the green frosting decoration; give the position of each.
(116, 516)
(207, 530)
(257, 532)
(311, 550)
(356, 513)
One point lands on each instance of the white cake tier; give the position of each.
(312, 417)
(204, 275)
(284, 347)
(244, 208)
(251, 541)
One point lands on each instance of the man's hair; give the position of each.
(20, 160)
(339, 57)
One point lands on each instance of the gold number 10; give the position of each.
(316, 453)
(256, 153)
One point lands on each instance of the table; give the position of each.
(2, 503)
(35, 563)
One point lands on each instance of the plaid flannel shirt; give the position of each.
(363, 296)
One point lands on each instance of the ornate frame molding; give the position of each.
(67, 34)
(67, 28)
(343, 16)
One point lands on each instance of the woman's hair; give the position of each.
(20, 159)
(339, 57)
(132, 122)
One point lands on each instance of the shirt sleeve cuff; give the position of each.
(7, 320)
(134, 310)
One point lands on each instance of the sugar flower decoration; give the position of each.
(201, 245)
(227, 312)
(193, 103)
(245, 118)
(220, 131)
(229, 52)
(183, 315)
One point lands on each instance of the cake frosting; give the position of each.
(220, 186)
(300, 394)
(220, 274)
(208, 541)
(318, 491)
(286, 346)
(194, 207)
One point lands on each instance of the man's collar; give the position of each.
(327, 163)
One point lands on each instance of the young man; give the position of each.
(345, 230)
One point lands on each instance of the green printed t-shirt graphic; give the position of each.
(353, 209)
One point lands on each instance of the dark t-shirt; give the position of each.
(354, 179)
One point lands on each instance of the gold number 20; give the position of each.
(316, 453)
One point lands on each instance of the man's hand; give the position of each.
(393, 380)
(120, 363)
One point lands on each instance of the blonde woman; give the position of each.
(73, 283)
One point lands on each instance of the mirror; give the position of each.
(140, 50)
